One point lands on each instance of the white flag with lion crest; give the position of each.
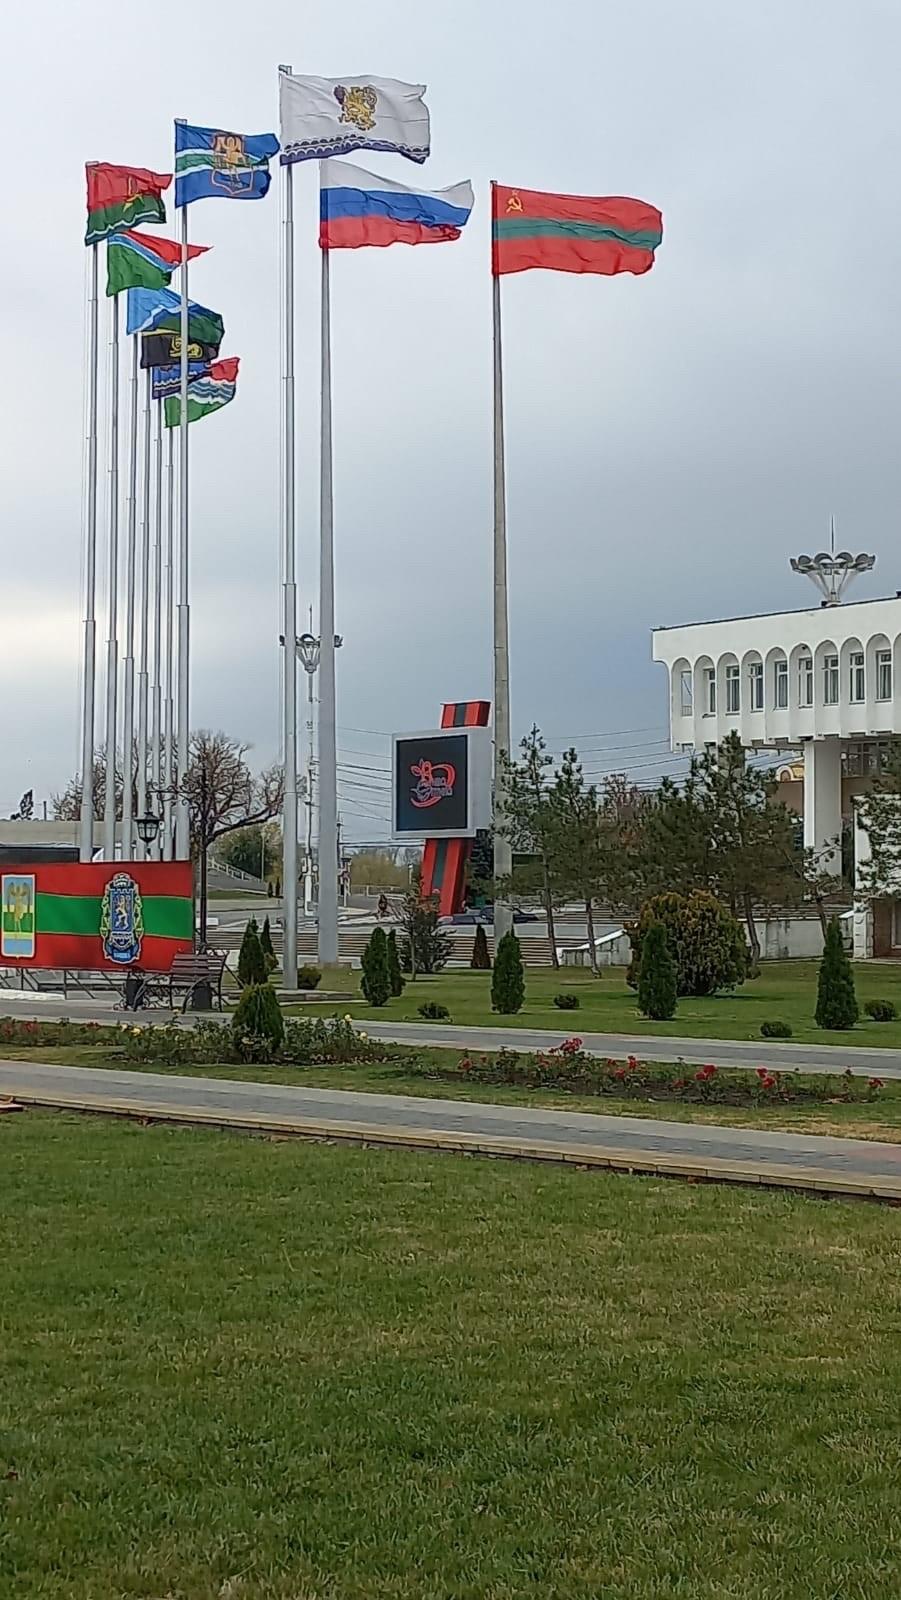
(323, 117)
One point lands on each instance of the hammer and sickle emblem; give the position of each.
(514, 203)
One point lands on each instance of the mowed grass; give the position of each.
(785, 990)
(242, 1369)
(879, 1119)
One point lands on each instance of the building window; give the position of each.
(857, 685)
(733, 691)
(686, 697)
(756, 685)
(830, 680)
(781, 700)
(710, 691)
(805, 681)
(883, 674)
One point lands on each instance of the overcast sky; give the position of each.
(672, 439)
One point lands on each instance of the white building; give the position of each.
(825, 680)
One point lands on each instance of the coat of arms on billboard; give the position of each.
(18, 916)
(122, 920)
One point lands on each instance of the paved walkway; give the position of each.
(863, 1061)
(835, 1166)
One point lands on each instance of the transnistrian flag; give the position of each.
(159, 311)
(206, 394)
(212, 164)
(333, 116)
(358, 208)
(571, 232)
(120, 197)
(142, 261)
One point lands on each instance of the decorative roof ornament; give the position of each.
(832, 571)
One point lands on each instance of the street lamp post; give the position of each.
(308, 652)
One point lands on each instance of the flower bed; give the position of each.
(569, 1069)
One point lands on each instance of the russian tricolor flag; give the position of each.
(358, 208)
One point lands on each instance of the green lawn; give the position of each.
(245, 1370)
(786, 990)
(879, 1119)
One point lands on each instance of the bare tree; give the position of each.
(222, 795)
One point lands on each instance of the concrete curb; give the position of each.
(813, 1180)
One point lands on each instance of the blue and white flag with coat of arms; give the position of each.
(211, 164)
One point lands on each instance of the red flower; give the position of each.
(620, 1072)
(762, 1072)
(633, 1063)
(701, 1076)
(767, 1082)
(877, 1083)
(705, 1073)
(466, 1064)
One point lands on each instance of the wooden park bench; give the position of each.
(190, 970)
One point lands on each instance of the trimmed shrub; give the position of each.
(433, 1012)
(375, 983)
(657, 978)
(508, 980)
(836, 999)
(258, 1027)
(480, 960)
(706, 943)
(308, 977)
(267, 947)
(881, 1010)
(252, 966)
(775, 1029)
(395, 976)
(567, 1002)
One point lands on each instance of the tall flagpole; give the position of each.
(328, 753)
(128, 706)
(289, 695)
(156, 696)
(503, 855)
(144, 652)
(182, 840)
(86, 827)
(112, 646)
(169, 745)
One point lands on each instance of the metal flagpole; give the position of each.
(328, 754)
(289, 804)
(128, 706)
(112, 646)
(169, 746)
(503, 855)
(156, 708)
(144, 651)
(182, 841)
(86, 828)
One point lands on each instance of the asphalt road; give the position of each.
(863, 1062)
(631, 1143)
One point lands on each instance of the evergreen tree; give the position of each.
(375, 983)
(657, 976)
(258, 1019)
(252, 966)
(395, 976)
(425, 946)
(706, 942)
(530, 825)
(267, 946)
(480, 960)
(508, 980)
(836, 999)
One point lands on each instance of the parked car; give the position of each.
(484, 914)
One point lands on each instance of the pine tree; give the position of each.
(267, 946)
(657, 977)
(480, 960)
(395, 976)
(258, 1019)
(508, 981)
(836, 999)
(375, 983)
(252, 966)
